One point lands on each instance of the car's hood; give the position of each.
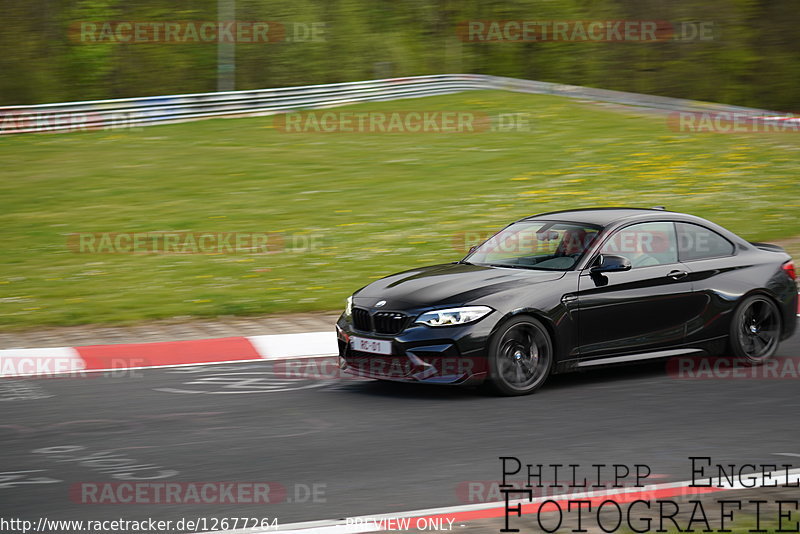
(449, 284)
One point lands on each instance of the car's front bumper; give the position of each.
(440, 355)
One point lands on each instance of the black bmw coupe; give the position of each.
(573, 289)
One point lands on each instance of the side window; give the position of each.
(644, 244)
(696, 242)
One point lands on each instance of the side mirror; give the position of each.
(608, 263)
(472, 249)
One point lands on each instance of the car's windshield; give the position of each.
(547, 245)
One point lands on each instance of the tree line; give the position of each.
(740, 52)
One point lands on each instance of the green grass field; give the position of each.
(375, 203)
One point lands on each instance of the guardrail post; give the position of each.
(226, 52)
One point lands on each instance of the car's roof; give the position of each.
(597, 216)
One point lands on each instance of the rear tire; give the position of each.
(755, 329)
(520, 357)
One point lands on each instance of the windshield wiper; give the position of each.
(511, 265)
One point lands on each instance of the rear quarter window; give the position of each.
(697, 242)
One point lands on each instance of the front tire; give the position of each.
(755, 329)
(520, 357)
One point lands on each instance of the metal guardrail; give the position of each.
(618, 97)
(128, 112)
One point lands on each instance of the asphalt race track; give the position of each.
(341, 448)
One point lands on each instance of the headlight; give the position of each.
(453, 316)
(348, 308)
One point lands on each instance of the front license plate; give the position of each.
(374, 346)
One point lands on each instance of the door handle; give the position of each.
(677, 275)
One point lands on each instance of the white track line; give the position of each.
(371, 522)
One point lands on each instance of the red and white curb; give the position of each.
(96, 358)
(457, 515)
